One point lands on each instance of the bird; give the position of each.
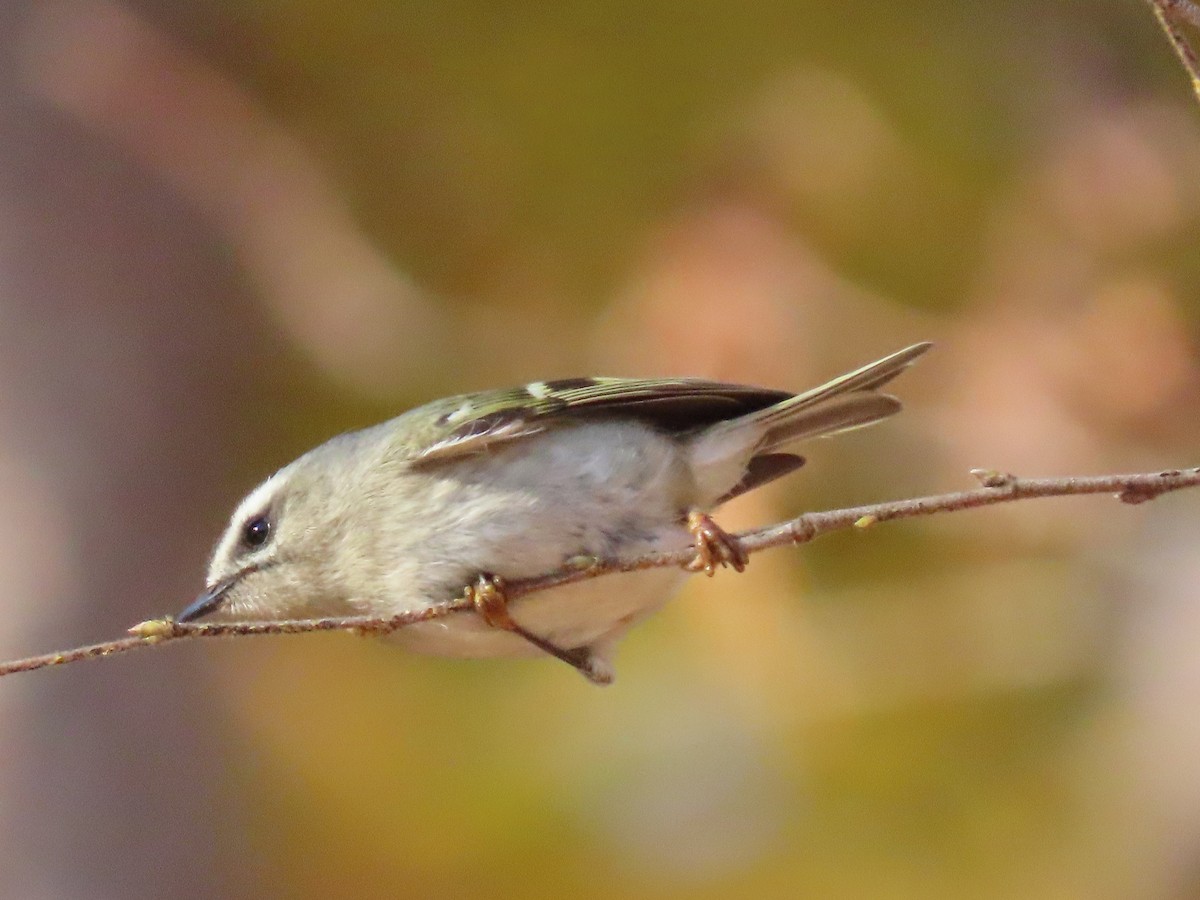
(460, 496)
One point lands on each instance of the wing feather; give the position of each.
(474, 422)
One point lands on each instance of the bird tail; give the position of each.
(751, 444)
(848, 401)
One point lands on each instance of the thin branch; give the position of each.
(1181, 10)
(1170, 14)
(997, 487)
(161, 631)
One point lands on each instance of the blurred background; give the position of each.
(229, 230)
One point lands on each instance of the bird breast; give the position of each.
(529, 508)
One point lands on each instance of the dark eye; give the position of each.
(256, 531)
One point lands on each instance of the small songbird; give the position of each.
(465, 493)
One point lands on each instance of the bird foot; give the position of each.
(714, 546)
(488, 597)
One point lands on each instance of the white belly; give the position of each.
(523, 511)
(576, 615)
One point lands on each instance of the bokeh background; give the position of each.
(229, 230)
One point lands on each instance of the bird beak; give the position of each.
(209, 600)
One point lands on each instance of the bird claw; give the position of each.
(714, 546)
(488, 597)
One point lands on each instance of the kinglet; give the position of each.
(463, 493)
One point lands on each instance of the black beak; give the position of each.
(209, 600)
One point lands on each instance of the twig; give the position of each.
(997, 487)
(161, 631)
(1170, 13)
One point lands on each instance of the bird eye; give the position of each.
(256, 531)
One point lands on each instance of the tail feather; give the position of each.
(869, 378)
(722, 453)
(848, 401)
(826, 417)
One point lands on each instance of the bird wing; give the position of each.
(470, 423)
